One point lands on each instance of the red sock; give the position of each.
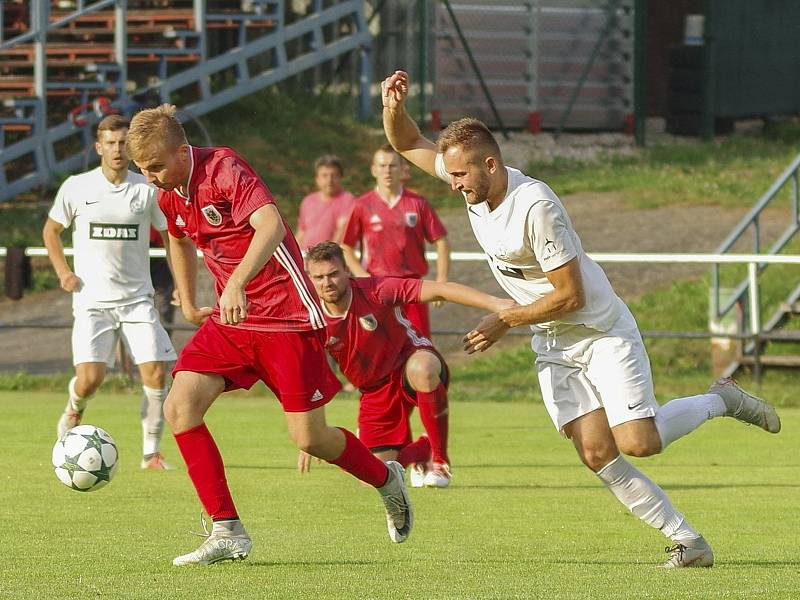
(433, 412)
(415, 452)
(357, 460)
(204, 463)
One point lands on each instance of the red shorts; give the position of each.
(419, 315)
(293, 364)
(384, 415)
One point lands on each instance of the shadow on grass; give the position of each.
(310, 563)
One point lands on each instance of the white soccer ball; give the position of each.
(85, 458)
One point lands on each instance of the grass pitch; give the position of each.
(522, 518)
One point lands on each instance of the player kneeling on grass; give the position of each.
(111, 210)
(267, 325)
(393, 366)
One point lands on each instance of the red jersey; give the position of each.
(223, 192)
(322, 220)
(393, 237)
(374, 337)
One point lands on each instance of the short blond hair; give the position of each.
(153, 130)
(469, 134)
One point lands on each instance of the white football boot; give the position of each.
(438, 476)
(746, 407)
(697, 554)
(69, 418)
(156, 462)
(228, 541)
(399, 514)
(417, 475)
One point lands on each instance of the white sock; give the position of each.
(152, 418)
(75, 401)
(683, 415)
(229, 526)
(645, 499)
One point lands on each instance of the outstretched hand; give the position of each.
(394, 90)
(490, 329)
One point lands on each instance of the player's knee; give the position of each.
(88, 384)
(424, 375)
(645, 446)
(597, 457)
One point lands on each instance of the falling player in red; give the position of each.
(267, 324)
(387, 359)
(392, 224)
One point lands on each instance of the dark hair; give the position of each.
(112, 123)
(325, 251)
(468, 134)
(329, 160)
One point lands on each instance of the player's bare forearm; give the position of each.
(352, 262)
(183, 256)
(401, 130)
(457, 293)
(442, 259)
(567, 297)
(269, 233)
(51, 235)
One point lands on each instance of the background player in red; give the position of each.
(324, 213)
(392, 224)
(267, 324)
(394, 367)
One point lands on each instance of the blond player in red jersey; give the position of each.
(394, 366)
(267, 325)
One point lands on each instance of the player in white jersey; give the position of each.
(111, 210)
(593, 369)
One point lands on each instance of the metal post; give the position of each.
(640, 71)
(795, 198)
(422, 10)
(534, 10)
(121, 47)
(200, 25)
(40, 19)
(709, 78)
(364, 80)
(755, 317)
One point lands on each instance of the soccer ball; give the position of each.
(85, 458)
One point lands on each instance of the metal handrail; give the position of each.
(720, 309)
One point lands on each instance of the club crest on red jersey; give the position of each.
(212, 215)
(411, 219)
(368, 322)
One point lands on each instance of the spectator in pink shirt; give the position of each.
(324, 214)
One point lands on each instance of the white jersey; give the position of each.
(529, 234)
(111, 236)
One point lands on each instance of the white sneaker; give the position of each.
(699, 554)
(399, 514)
(69, 418)
(439, 476)
(221, 544)
(746, 407)
(417, 475)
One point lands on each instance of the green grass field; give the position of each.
(522, 518)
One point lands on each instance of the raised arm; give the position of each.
(401, 131)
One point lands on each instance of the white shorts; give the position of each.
(96, 330)
(582, 369)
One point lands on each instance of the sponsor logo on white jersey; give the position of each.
(212, 215)
(113, 231)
